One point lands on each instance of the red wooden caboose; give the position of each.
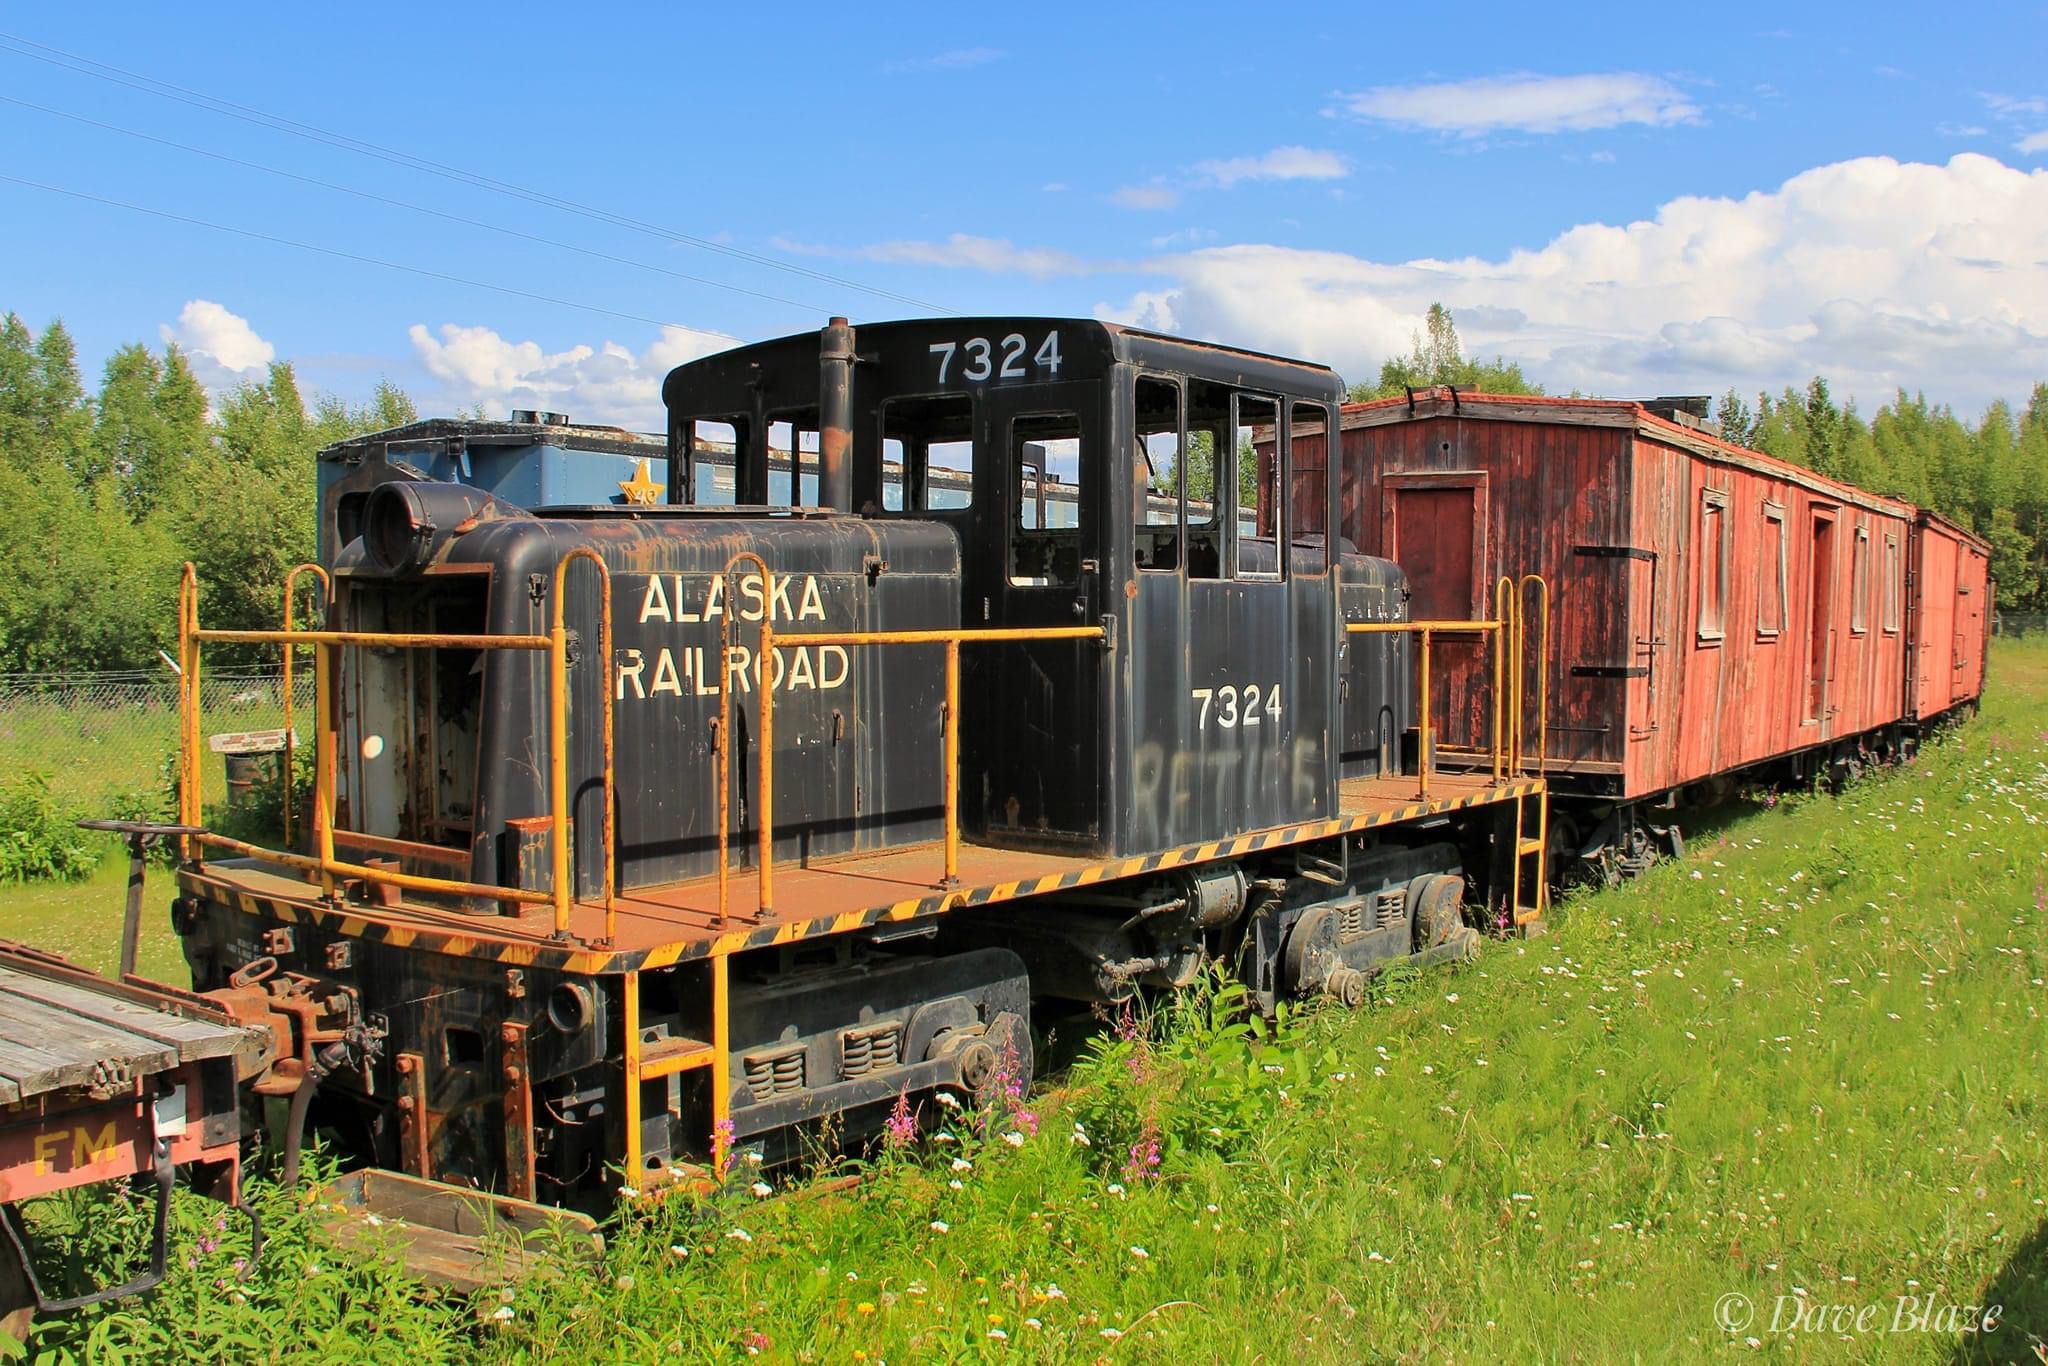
(1713, 609)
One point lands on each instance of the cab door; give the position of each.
(1034, 770)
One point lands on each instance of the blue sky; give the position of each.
(1623, 200)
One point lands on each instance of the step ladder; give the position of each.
(1530, 899)
(648, 1057)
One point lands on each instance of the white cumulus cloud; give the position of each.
(1874, 272)
(222, 347)
(1152, 196)
(1525, 102)
(1282, 163)
(608, 384)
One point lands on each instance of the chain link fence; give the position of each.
(2020, 625)
(108, 740)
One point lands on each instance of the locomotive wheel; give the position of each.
(1438, 908)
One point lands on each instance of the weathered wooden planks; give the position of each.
(59, 1030)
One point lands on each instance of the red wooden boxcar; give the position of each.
(1949, 618)
(1714, 609)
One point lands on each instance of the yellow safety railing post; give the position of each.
(952, 749)
(764, 665)
(604, 648)
(558, 770)
(1424, 762)
(1542, 588)
(325, 757)
(721, 1064)
(188, 708)
(634, 1155)
(285, 783)
(730, 588)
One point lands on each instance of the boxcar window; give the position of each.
(1208, 437)
(1713, 563)
(1260, 524)
(1894, 582)
(1156, 473)
(1859, 583)
(714, 454)
(1308, 445)
(929, 442)
(1045, 472)
(1771, 567)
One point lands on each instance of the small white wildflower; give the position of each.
(948, 1099)
(1451, 996)
(624, 1282)
(629, 1193)
(1116, 1188)
(740, 1234)
(679, 1250)
(961, 1164)
(999, 1335)
(1014, 1139)
(1112, 1333)
(1140, 1253)
(954, 1184)
(761, 1189)
(504, 1313)
(941, 1226)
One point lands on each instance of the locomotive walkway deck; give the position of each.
(679, 923)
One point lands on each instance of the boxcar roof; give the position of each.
(1956, 529)
(1621, 413)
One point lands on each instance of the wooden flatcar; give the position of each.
(1715, 612)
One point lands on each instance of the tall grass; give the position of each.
(1803, 1066)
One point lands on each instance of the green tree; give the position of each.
(1437, 357)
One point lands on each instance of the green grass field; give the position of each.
(1803, 1066)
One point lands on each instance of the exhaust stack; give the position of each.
(835, 416)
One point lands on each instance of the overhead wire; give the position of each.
(358, 257)
(407, 205)
(150, 85)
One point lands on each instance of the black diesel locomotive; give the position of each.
(1069, 691)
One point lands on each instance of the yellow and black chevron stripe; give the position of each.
(218, 885)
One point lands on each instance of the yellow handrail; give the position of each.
(950, 637)
(291, 579)
(725, 621)
(1542, 588)
(1426, 629)
(191, 637)
(558, 732)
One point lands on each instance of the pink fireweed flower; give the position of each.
(901, 1126)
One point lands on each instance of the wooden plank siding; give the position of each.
(1951, 597)
(1672, 658)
